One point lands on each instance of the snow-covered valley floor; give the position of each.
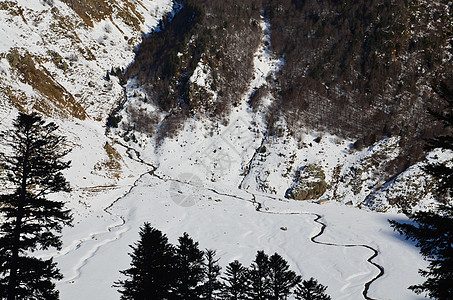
(236, 223)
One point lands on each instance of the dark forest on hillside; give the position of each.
(222, 34)
(362, 69)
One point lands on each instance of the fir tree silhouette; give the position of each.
(212, 285)
(282, 280)
(311, 290)
(152, 272)
(235, 285)
(30, 221)
(259, 277)
(189, 269)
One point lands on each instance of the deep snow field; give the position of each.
(225, 218)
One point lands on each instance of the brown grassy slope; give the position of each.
(96, 10)
(32, 73)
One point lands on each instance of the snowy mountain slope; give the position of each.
(209, 179)
(54, 61)
(242, 149)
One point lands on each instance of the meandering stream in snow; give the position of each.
(118, 229)
(331, 242)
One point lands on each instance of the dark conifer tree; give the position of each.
(311, 290)
(30, 221)
(259, 277)
(190, 269)
(236, 282)
(433, 231)
(282, 280)
(433, 234)
(152, 272)
(212, 285)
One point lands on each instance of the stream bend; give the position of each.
(370, 259)
(258, 207)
